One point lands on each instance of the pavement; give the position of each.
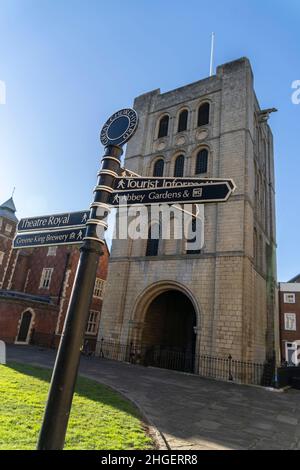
(190, 412)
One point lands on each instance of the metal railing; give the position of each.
(221, 368)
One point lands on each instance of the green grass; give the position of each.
(100, 418)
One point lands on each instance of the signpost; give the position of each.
(202, 192)
(111, 190)
(115, 133)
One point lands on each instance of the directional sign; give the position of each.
(52, 237)
(53, 222)
(129, 182)
(204, 192)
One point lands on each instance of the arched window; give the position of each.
(179, 166)
(163, 126)
(158, 169)
(203, 114)
(182, 121)
(201, 161)
(153, 240)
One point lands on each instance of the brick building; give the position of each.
(35, 288)
(289, 317)
(220, 300)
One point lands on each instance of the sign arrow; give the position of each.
(134, 182)
(201, 193)
(50, 238)
(53, 222)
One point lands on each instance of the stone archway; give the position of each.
(167, 327)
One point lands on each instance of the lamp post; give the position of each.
(117, 130)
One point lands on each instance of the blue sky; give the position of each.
(69, 64)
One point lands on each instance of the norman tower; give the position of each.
(219, 301)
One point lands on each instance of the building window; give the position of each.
(46, 278)
(201, 161)
(91, 327)
(163, 127)
(158, 169)
(182, 121)
(153, 240)
(179, 166)
(99, 288)
(290, 321)
(8, 228)
(203, 115)
(289, 298)
(1, 257)
(52, 251)
(291, 354)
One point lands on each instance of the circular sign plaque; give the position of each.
(119, 128)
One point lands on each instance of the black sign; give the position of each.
(119, 128)
(213, 192)
(48, 222)
(134, 182)
(53, 237)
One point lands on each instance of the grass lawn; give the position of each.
(100, 418)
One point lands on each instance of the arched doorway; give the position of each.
(168, 336)
(25, 327)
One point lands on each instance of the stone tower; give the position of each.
(220, 300)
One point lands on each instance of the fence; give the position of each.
(222, 368)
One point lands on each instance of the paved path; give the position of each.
(192, 412)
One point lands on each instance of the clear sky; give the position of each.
(69, 64)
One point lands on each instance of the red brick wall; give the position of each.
(286, 335)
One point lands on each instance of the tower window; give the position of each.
(203, 115)
(163, 126)
(179, 166)
(158, 169)
(201, 161)
(182, 121)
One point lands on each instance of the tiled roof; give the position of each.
(8, 209)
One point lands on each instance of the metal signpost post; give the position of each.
(117, 130)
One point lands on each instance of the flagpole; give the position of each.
(212, 54)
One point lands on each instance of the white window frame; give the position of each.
(92, 323)
(46, 276)
(99, 288)
(1, 257)
(289, 298)
(289, 345)
(8, 228)
(52, 250)
(290, 322)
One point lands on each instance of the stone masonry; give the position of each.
(231, 282)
